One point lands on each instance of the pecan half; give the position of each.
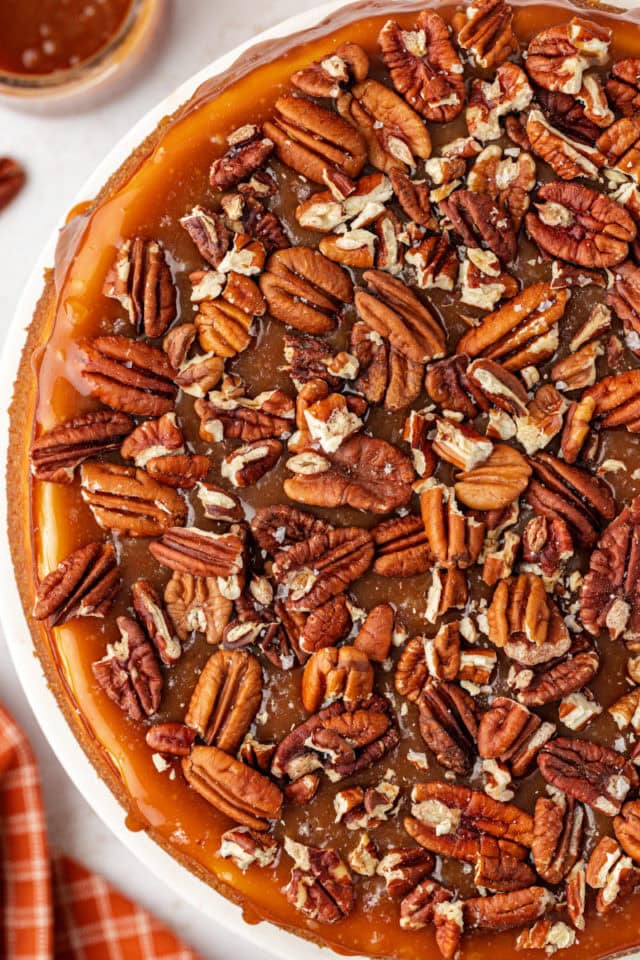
(386, 376)
(236, 790)
(334, 673)
(153, 438)
(365, 473)
(485, 29)
(575, 223)
(568, 158)
(170, 739)
(196, 605)
(517, 333)
(141, 281)
(624, 298)
(128, 500)
(455, 539)
(558, 825)
(83, 584)
(610, 594)
(208, 233)
(402, 547)
(247, 151)
(506, 180)
(280, 525)
(448, 384)
(558, 56)
(326, 625)
(414, 196)
(320, 887)
(304, 289)
(315, 142)
(270, 414)
(128, 375)
(12, 180)
(623, 86)
(395, 134)
(129, 673)
(154, 619)
(512, 734)
(620, 145)
(496, 483)
(226, 698)
(56, 454)
(504, 911)
(376, 634)
(201, 552)
(424, 66)
(590, 772)
(321, 567)
(478, 221)
(224, 323)
(525, 621)
(329, 76)
(557, 678)
(449, 725)
(402, 868)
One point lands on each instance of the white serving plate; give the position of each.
(181, 881)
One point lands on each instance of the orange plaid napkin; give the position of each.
(55, 908)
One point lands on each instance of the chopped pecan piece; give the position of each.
(324, 212)
(478, 221)
(333, 673)
(449, 725)
(424, 66)
(459, 444)
(505, 911)
(366, 809)
(195, 604)
(558, 56)
(281, 525)
(395, 135)
(376, 634)
(386, 376)
(417, 909)
(304, 289)
(411, 669)
(626, 710)
(128, 500)
(203, 553)
(141, 281)
(226, 699)
(483, 282)
(219, 504)
(517, 334)
(270, 414)
(626, 827)
(455, 539)
(154, 619)
(320, 887)
(246, 846)
(233, 788)
(393, 311)
(83, 584)
(12, 180)
(329, 76)
(576, 895)
(525, 621)
(414, 198)
(506, 180)
(315, 142)
(257, 231)
(576, 427)
(624, 298)
(578, 370)
(310, 358)
(402, 547)
(623, 86)
(610, 594)
(558, 825)
(496, 483)
(224, 323)
(485, 29)
(557, 678)
(208, 233)
(543, 419)
(402, 868)
(449, 385)
(493, 385)
(509, 92)
(56, 454)
(153, 438)
(129, 673)
(247, 151)
(621, 147)
(326, 625)
(611, 874)
(578, 224)
(365, 473)
(593, 774)
(548, 543)
(512, 734)
(170, 739)
(568, 158)
(316, 569)
(128, 375)
(247, 464)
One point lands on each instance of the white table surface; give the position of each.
(60, 148)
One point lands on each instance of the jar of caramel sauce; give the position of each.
(54, 47)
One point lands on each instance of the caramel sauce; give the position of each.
(39, 37)
(168, 181)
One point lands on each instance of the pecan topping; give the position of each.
(568, 158)
(562, 491)
(558, 56)
(128, 375)
(525, 621)
(195, 604)
(170, 739)
(236, 790)
(610, 592)
(316, 569)
(394, 312)
(179, 470)
(557, 678)
(394, 133)
(512, 734)
(224, 323)
(478, 221)
(448, 725)
(56, 454)
(317, 143)
(626, 827)
(152, 615)
(320, 887)
(402, 547)
(449, 385)
(509, 92)
(201, 552)
(414, 198)
(328, 77)
(209, 234)
(623, 86)
(334, 673)
(141, 280)
(342, 739)
(516, 334)
(304, 289)
(84, 584)
(153, 439)
(486, 31)
(558, 825)
(591, 773)
(129, 673)
(454, 538)
(218, 503)
(620, 145)
(424, 66)
(376, 634)
(506, 180)
(504, 911)
(326, 625)
(237, 417)
(250, 462)
(386, 376)
(611, 874)
(365, 473)
(247, 152)
(246, 846)
(12, 180)
(575, 223)
(281, 525)
(226, 698)
(128, 500)
(496, 483)
(417, 909)
(624, 298)
(310, 358)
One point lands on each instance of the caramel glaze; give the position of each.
(164, 179)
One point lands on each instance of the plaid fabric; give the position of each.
(56, 908)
